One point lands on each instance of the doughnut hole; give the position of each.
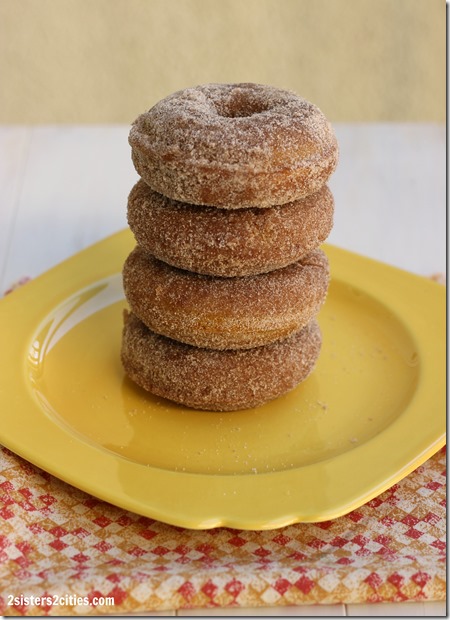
(240, 103)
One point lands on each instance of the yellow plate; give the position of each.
(372, 411)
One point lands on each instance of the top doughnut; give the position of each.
(234, 146)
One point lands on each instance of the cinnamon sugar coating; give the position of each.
(228, 242)
(225, 313)
(234, 146)
(217, 380)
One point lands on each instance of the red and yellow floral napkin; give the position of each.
(59, 543)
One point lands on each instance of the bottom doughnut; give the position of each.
(225, 380)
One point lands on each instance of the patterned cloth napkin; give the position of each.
(70, 550)
(64, 552)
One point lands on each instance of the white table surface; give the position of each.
(63, 188)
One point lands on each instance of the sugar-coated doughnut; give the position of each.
(217, 380)
(234, 146)
(228, 242)
(225, 313)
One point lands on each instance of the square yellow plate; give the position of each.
(371, 412)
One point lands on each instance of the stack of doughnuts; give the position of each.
(227, 277)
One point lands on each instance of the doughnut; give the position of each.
(225, 242)
(217, 380)
(224, 313)
(234, 146)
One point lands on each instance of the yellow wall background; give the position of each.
(105, 61)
